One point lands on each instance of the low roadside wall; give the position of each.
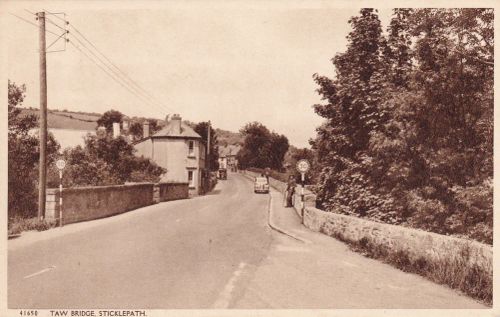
(416, 243)
(443, 259)
(171, 191)
(93, 202)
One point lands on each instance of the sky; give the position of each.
(230, 63)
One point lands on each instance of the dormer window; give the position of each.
(191, 148)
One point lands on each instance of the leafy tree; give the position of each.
(136, 130)
(213, 159)
(108, 118)
(106, 161)
(261, 147)
(278, 147)
(420, 151)
(23, 156)
(352, 114)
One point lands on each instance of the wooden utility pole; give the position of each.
(208, 147)
(43, 117)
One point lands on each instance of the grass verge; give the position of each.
(457, 272)
(18, 225)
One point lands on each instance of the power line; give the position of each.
(32, 24)
(117, 75)
(56, 14)
(144, 92)
(107, 72)
(55, 24)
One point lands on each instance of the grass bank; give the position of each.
(457, 272)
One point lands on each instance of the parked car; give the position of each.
(261, 185)
(222, 173)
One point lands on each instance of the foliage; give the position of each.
(19, 225)
(136, 130)
(293, 156)
(105, 161)
(108, 118)
(212, 160)
(23, 147)
(408, 135)
(261, 147)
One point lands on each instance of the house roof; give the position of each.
(170, 131)
(229, 150)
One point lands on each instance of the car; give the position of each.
(222, 173)
(261, 185)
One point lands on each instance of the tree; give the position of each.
(107, 161)
(108, 118)
(23, 147)
(278, 147)
(420, 150)
(352, 114)
(261, 147)
(213, 159)
(136, 130)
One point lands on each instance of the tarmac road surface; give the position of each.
(213, 251)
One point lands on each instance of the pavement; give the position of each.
(215, 251)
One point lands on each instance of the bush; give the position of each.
(19, 225)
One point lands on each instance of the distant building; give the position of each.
(227, 156)
(178, 149)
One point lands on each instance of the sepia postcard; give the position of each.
(249, 158)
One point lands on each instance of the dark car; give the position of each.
(222, 173)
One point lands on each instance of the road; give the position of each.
(213, 251)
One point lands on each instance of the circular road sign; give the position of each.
(303, 166)
(61, 164)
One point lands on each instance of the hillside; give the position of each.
(70, 120)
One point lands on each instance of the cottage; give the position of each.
(227, 156)
(178, 149)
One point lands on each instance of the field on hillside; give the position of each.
(66, 120)
(58, 119)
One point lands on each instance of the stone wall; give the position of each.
(418, 244)
(171, 191)
(88, 203)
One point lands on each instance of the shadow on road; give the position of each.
(213, 192)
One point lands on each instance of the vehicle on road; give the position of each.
(261, 185)
(222, 173)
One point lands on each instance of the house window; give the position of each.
(190, 179)
(191, 148)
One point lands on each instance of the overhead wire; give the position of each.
(116, 74)
(37, 26)
(104, 70)
(137, 91)
(112, 71)
(116, 67)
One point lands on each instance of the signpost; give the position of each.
(303, 166)
(60, 164)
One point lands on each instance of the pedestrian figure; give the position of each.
(290, 191)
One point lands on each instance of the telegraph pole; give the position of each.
(43, 117)
(208, 147)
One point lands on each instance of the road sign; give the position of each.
(303, 166)
(61, 164)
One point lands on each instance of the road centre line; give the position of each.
(225, 295)
(40, 272)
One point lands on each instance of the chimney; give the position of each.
(116, 129)
(145, 129)
(176, 124)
